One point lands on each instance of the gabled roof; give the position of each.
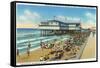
(67, 22)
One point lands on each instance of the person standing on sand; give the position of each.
(42, 45)
(28, 49)
(93, 33)
(17, 52)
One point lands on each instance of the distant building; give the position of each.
(59, 27)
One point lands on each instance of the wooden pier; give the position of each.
(55, 27)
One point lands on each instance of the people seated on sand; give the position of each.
(74, 51)
(77, 40)
(71, 40)
(58, 55)
(57, 49)
(66, 42)
(46, 57)
(50, 45)
(52, 52)
(41, 58)
(46, 45)
(67, 47)
(43, 45)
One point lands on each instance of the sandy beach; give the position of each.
(34, 55)
(88, 52)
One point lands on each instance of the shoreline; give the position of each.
(38, 52)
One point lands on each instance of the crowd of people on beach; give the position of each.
(60, 47)
(72, 45)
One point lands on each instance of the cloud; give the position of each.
(22, 17)
(29, 17)
(91, 19)
(31, 14)
(91, 16)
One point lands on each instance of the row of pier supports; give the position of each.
(55, 32)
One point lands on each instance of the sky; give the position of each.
(28, 16)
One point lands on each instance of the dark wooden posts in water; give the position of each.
(46, 32)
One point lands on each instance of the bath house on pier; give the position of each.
(51, 27)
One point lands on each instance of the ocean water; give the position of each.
(24, 36)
